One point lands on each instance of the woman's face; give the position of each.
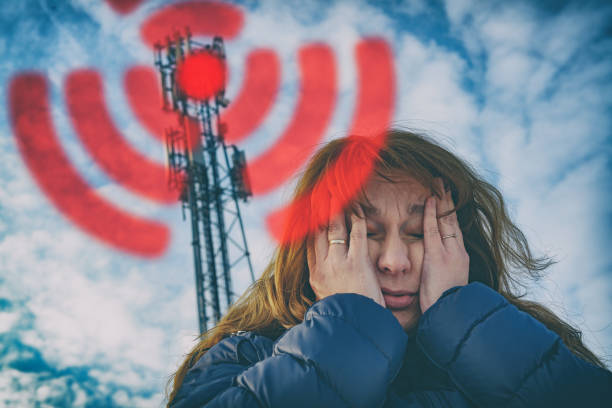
(395, 242)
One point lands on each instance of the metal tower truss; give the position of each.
(210, 184)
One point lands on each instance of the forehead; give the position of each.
(406, 195)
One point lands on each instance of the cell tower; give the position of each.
(210, 184)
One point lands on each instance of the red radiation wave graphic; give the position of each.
(141, 87)
(42, 153)
(314, 109)
(256, 96)
(202, 18)
(95, 128)
(244, 114)
(57, 178)
(84, 94)
(124, 6)
(308, 123)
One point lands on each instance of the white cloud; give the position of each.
(7, 320)
(432, 96)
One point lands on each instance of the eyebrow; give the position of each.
(373, 211)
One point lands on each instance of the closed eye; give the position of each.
(414, 237)
(411, 237)
(373, 234)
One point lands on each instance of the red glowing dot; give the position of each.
(201, 75)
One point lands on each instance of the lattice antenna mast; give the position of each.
(210, 184)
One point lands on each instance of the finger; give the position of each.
(448, 224)
(337, 227)
(431, 233)
(320, 244)
(319, 202)
(358, 239)
(452, 220)
(443, 206)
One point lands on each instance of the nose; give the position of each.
(393, 257)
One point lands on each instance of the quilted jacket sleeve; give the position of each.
(502, 357)
(345, 353)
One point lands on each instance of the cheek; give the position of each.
(416, 253)
(373, 250)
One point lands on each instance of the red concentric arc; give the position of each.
(256, 97)
(202, 18)
(124, 6)
(95, 128)
(307, 126)
(373, 113)
(42, 153)
(143, 92)
(376, 87)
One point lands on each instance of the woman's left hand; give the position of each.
(445, 263)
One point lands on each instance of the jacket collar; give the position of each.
(418, 372)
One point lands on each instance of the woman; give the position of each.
(395, 286)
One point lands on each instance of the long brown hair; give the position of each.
(500, 256)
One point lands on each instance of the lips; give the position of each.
(398, 302)
(397, 292)
(398, 299)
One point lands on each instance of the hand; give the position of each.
(342, 268)
(445, 263)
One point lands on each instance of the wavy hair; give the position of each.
(499, 253)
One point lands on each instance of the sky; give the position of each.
(518, 89)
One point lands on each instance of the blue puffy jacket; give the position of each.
(471, 349)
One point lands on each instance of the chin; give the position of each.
(408, 318)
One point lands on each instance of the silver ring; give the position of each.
(449, 236)
(337, 241)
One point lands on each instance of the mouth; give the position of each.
(399, 299)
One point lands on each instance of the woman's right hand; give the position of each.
(342, 268)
